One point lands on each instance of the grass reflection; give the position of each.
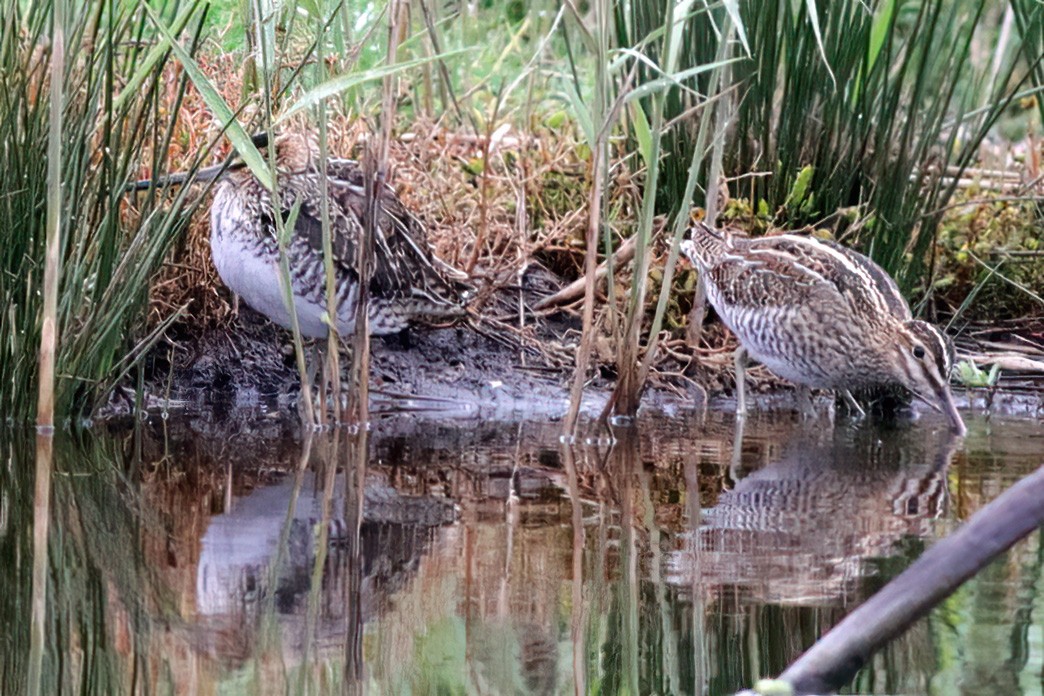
(492, 559)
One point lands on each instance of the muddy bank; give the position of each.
(454, 373)
(500, 371)
(454, 370)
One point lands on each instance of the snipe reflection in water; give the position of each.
(798, 529)
(524, 568)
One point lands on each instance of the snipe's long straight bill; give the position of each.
(201, 176)
(943, 403)
(260, 140)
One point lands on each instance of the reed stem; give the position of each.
(48, 347)
(599, 165)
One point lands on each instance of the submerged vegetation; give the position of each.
(523, 130)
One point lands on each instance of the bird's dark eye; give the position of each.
(918, 352)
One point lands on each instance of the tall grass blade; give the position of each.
(333, 342)
(48, 346)
(153, 59)
(342, 83)
(732, 7)
(239, 137)
(52, 250)
(713, 114)
(813, 19)
(595, 119)
(1029, 20)
(284, 228)
(109, 248)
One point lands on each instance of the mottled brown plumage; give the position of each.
(408, 284)
(820, 315)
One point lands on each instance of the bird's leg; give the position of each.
(737, 451)
(804, 399)
(313, 362)
(853, 405)
(741, 360)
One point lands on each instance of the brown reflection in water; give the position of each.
(798, 530)
(590, 538)
(490, 558)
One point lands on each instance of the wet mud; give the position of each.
(463, 373)
(454, 369)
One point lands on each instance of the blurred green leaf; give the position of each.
(879, 31)
(813, 18)
(155, 55)
(582, 113)
(732, 7)
(679, 13)
(799, 190)
(970, 375)
(674, 80)
(641, 131)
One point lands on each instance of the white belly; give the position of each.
(788, 370)
(257, 280)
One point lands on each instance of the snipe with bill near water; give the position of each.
(820, 315)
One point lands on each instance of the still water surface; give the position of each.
(188, 556)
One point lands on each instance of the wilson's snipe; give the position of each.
(408, 283)
(820, 315)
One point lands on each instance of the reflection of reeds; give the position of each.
(41, 558)
(554, 551)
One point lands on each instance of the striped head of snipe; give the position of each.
(705, 245)
(922, 359)
(296, 154)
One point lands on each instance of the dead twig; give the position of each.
(575, 290)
